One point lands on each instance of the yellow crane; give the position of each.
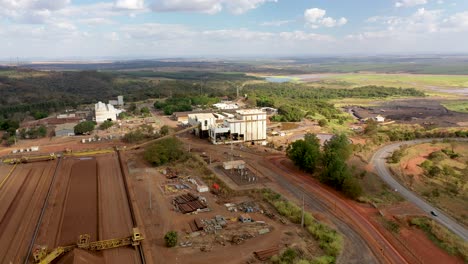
(42, 257)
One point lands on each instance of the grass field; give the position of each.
(457, 106)
(403, 80)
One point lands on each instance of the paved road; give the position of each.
(379, 159)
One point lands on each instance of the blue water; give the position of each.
(278, 79)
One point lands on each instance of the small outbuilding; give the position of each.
(202, 188)
(234, 164)
(380, 118)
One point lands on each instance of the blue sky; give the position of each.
(230, 28)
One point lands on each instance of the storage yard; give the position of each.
(87, 196)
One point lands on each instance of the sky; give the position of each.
(57, 29)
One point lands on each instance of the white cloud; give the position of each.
(242, 6)
(315, 17)
(96, 21)
(457, 22)
(130, 4)
(30, 11)
(207, 6)
(202, 6)
(410, 3)
(275, 23)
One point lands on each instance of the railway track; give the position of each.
(377, 242)
(39, 221)
(130, 205)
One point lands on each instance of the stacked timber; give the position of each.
(187, 203)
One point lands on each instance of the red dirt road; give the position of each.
(22, 196)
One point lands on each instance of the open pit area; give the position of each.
(424, 112)
(87, 196)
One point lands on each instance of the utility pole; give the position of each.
(302, 218)
(149, 192)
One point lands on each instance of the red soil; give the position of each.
(81, 209)
(425, 249)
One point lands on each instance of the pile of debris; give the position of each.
(247, 207)
(266, 254)
(188, 203)
(170, 174)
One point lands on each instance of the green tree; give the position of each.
(39, 115)
(41, 131)
(145, 111)
(336, 172)
(84, 127)
(164, 151)
(371, 127)
(338, 145)
(134, 136)
(305, 153)
(322, 122)
(171, 239)
(11, 140)
(164, 130)
(106, 124)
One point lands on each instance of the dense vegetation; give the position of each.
(106, 124)
(171, 239)
(296, 101)
(164, 151)
(306, 155)
(84, 127)
(193, 75)
(19, 88)
(181, 104)
(36, 132)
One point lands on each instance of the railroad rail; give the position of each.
(44, 206)
(130, 204)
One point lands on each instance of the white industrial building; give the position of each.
(226, 106)
(246, 126)
(105, 112)
(118, 102)
(203, 122)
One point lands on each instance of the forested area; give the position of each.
(27, 91)
(331, 162)
(296, 101)
(180, 104)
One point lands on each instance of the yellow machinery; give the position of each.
(40, 255)
(26, 159)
